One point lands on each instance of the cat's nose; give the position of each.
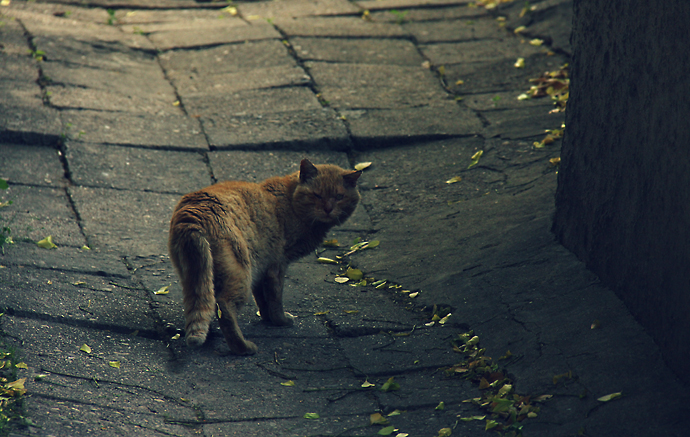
(328, 206)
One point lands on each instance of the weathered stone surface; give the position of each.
(491, 50)
(436, 14)
(357, 51)
(337, 27)
(197, 83)
(104, 55)
(97, 165)
(33, 165)
(373, 5)
(37, 212)
(390, 126)
(29, 124)
(216, 35)
(453, 31)
(125, 222)
(522, 123)
(253, 102)
(320, 129)
(355, 86)
(173, 132)
(216, 60)
(291, 8)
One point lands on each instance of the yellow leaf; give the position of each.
(441, 406)
(520, 63)
(85, 247)
(394, 413)
(519, 29)
(350, 311)
(444, 432)
(289, 383)
(331, 243)
(175, 337)
(454, 179)
(536, 42)
(323, 260)
(444, 320)
(531, 414)
(554, 162)
(442, 70)
(610, 397)
(377, 419)
(16, 387)
(362, 165)
(163, 290)
(460, 82)
(85, 348)
(367, 384)
(341, 279)
(321, 313)
(475, 158)
(115, 364)
(21, 366)
(413, 295)
(47, 243)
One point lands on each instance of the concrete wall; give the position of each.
(623, 199)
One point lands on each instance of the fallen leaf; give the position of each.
(444, 432)
(454, 179)
(163, 290)
(115, 364)
(475, 158)
(394, 413)
(321, 313)
(16, 387)
(21, 366)
(354, 274)
(536, 42)
(175, 337)
(595, 325)
(490, 424)
(519, 29)
(390, 385)
(520, 63)
(311, 415)
(542, 398)
(85, 247)
(610, 397)
(47, 243)
(444, 320)
(367, 384)
(331, 243)
(341, 279)
(289, 383)
(441, 406)
(413, 295)
(323, 260)
(554, 162)
(377, 419)
(362, 165)
(402, 434)
(350, 311)
(469, 419)
(387, 430)
(85, 348)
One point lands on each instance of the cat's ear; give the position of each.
(350, 179)
(307, 171)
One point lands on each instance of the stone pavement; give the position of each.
(111, 110)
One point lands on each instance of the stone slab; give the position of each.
(319, 129)
(373, 5)
(522, 123)
(355, 86)
(33, 165)
(100, 166)
(169, 132)
(141, 17)
(39, 24)
(490, 50)
(19, 69)
(29, 124)
(125, 222)
(455, 30)
(437, 14)
(37, 212)
(14, 43)
(145, 81)
(103, 55)
(186, 39)
(194, 84)
(295, 8)
(94, 302)
(74, 97)
(255, 55)
(388, 127)
(500, 100)
(253, 102)
(357, 51)
(351, 27)
(218, 22)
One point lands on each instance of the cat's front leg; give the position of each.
(269, 297)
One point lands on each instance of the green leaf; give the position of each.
(387, 430)
(390, 385)
(471, 418)
(163, 290)
(311, 415)
(3, 184)
(47, 243)
(115, 364)
(377, 419)
(289, 383)
(323, 260)
(85, 348)
(444, 432)
(490, 424)
(354, 274)
(21, 366)
(475, 158)
(441, 406)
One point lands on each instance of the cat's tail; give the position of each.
(190, 253)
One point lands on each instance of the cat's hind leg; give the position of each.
(268, 295)
(233, 284)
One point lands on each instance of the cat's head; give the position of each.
(325, 193)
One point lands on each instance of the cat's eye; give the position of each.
(339, 197)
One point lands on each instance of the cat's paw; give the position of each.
(195, 339)
(287, 320)
(248, 348)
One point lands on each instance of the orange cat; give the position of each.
(236, 238)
